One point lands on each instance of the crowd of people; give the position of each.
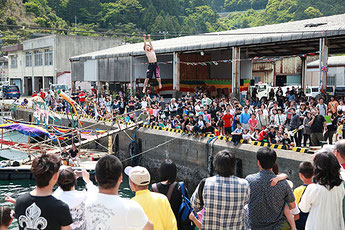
(288, 119)
(264, 200)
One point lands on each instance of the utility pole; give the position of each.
(75, 25)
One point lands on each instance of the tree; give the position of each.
(149, 17)
(122, 11)
(32, 7)
(311, 12)
(159, 25)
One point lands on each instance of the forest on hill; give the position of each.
(166, 18)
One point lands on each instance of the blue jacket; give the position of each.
(244, 118)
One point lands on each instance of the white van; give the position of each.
(313, 91)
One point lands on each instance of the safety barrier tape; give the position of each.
(181, 132)
(275, 146)
(300, 150)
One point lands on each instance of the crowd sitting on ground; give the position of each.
(291, 120)
(264, 200)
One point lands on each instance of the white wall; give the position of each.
(65, 79)
(338, 72)
(91, 70)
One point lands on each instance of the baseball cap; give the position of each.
(138, 175)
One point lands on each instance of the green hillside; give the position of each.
(129, 19)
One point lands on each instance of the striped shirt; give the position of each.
(224, 199)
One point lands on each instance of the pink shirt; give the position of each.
(252, 124)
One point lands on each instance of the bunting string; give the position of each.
(217, 62)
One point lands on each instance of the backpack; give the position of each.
(170, 191)
(184, 223)
(185, 208)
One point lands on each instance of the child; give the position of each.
(279, 138)
(263, 135)
(6, 217)
(339, 134)
(161, 123)
(237, 134)
(252, 123)
(272, 136)
(287, 141)
(246, 136)
(153, 68)
(306, 172)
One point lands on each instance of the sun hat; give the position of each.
(138, 175)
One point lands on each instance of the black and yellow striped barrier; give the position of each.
(300, 150)
(258, 143)
(275, 146)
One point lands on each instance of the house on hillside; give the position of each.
(36, 63)
(3, 68)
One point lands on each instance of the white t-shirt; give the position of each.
(144, 104)
(111, 212)
(76, 203)
(324, 207)
(341, 108)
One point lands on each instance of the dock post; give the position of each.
(2, 137)
(110, 144)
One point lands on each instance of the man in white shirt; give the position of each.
(322, 107)
(106, 209)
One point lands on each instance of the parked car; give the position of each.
(339, 91)
(312, 91)
(10, 91)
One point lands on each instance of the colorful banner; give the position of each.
(25, 129)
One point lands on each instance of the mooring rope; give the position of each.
(139, 154)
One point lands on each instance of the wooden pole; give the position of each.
(2, 136)
(29, 145)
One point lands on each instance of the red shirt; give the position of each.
(82, 97)
(343, 165)
(252, 123)
(42, 95)
(262, 135)
(34, 94)
(227, 120)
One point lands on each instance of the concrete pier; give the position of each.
(192, 154)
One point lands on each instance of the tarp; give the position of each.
(25, 129)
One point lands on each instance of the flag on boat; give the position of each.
(26, 129)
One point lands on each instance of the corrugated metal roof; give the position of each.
(290, 31)
(332, 61)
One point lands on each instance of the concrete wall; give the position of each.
(191, 154)
(69, 46)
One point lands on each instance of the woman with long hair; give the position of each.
(171, 188)
(324, 199)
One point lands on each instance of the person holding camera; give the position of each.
(317, 126)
